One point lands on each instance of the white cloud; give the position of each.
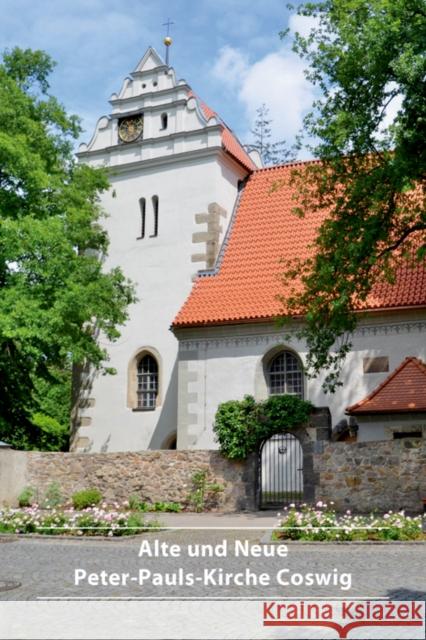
(302, 24)
(391, 110)
(277, 80)
(231, 67)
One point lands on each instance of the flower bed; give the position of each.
(322, 523)
(92, 521)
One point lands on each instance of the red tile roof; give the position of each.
(230, 142)
(232, 145)
(266, 230)
(404, 391)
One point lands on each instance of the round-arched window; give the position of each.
(147, 382)
(285, 375)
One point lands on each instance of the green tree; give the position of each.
(55, 296)
(270, 152)
(52, 397)
(367, 59)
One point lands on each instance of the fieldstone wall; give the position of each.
(363, 476)
(153, 475)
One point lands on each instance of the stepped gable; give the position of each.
(230, 142)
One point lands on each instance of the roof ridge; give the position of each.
(419, 363)
(416, 361)
(284, 165)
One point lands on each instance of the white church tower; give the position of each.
(175, 171)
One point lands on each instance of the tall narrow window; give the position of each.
(164, 120)
(155, 212)
(285, 375)
(142, 206)
(147, 389)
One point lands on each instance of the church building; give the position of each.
(202, 230)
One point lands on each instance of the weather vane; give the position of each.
(167, 40)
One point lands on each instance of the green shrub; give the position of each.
(86, 498)
(237, 427)
(215, 487)
(26, 497)
(167, 506)
(134, 524)
(53, 497)
(173, 507)
(204, 493)
(137, 504)
(241, 425)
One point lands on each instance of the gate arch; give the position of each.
(280, 471)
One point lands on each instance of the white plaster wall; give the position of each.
(230, 365)
(13, 475)
(162, 269)
(187, 169)
(382, 427)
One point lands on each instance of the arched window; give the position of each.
(147, 383)
(142, 206)
(155, 212)
(164, 120)
(285, 375)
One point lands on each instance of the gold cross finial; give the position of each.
(167, 40)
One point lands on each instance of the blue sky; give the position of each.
(229, 51)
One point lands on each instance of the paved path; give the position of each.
(46, 567)
(251, 519)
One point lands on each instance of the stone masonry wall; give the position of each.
(153, 475)
(365, 476)
(358, 476)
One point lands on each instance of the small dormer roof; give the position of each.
(403, 391)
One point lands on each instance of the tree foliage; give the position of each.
(271, 153)
(55, 296)
(368, 61)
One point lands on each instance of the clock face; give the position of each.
(131, 128)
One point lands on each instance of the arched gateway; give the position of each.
(280, 471)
